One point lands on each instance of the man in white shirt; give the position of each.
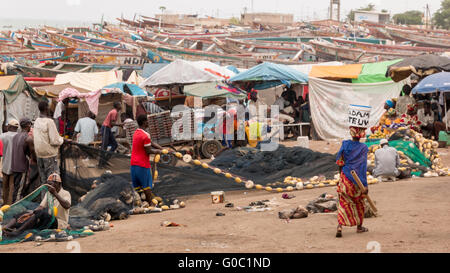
(87, 129)
(403, 101)
(386, 162)
(43, 216)
(46, 143)
(284, 108)
(426, 117)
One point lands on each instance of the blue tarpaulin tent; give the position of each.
(124, 87)
(433, 83)
(273, 74)
(233, 68)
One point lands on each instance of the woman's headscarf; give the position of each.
(390, 103)
(358, 132)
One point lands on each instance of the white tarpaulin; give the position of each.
(330, 100)
(214, 68)
(90, 81)
(180, 72)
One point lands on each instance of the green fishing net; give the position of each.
(408, 148)
(29, 203)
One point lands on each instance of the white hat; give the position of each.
(383, 141)
(14, 123)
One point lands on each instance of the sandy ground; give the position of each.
(414, 217)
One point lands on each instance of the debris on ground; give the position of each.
(170, 224)
(297, 213)
(287, 196)
(229, 205)
(220, 214)
(261, 203)
(324, 203)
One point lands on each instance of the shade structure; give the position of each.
(125, 87)
(271, 72)
(212, 89)
(349, 71)
(433, 83)
(421, 65)
(52, 91)
(185, 72)
(375, 72)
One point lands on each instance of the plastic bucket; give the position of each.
(359, 116)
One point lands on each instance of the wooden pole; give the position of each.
(361, 187)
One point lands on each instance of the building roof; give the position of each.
(268, 13)
(372, 12)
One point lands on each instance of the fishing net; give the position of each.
(28, 204)
(100, 182)
(113, 180)
(408, 148)
(269, 166)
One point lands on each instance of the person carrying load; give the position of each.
(352, 156)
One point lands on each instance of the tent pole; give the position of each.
(445, 112)
(170, 97)
(66, 114)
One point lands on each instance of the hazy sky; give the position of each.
(92, 10)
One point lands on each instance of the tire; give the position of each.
(210, 148)
(168, 159)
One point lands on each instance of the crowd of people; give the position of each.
(422, 113)
(30, 152)
(34, 148)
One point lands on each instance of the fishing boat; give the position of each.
(288, 50)
(172, 52)
(51, 68)
(78, 41)
(408, 28)
(332, 52)
(39, 55)
(412, 50)
(225, 52)
(442, 41)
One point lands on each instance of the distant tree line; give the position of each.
(442, 16)
(412, 17)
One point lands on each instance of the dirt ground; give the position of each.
(414, 217)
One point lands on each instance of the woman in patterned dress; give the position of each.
(352, 156)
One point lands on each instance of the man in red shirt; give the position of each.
(141, 175)
(111, 120)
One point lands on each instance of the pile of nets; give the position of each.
(418, 155)
(269, 166)
(28, 204)
(111, 199)
(190, 180)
